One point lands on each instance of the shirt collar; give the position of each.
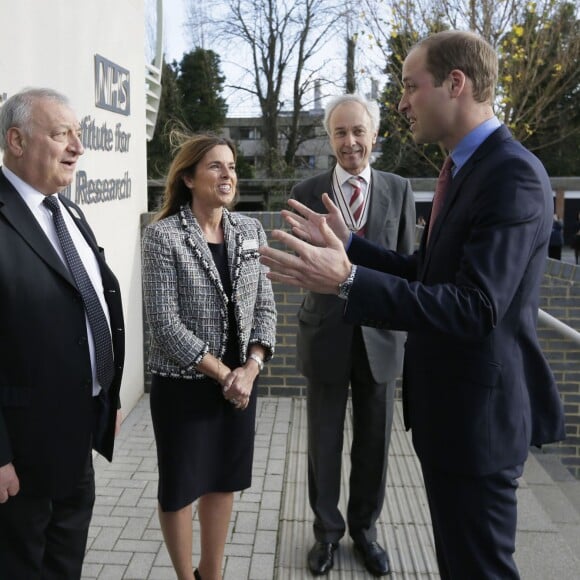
(343, 176)
(31, 196)
(467, 146)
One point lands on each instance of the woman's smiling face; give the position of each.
(214, 182)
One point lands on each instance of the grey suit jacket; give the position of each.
(324, 340)
(184, 299)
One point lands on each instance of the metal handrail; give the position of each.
(557, 325)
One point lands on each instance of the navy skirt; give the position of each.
(204, 444)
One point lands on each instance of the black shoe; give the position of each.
(196, 574)
(374, 557)
(321, 558)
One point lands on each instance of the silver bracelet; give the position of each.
(258, 360)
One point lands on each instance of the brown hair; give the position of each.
(189, 151)
(466, 51)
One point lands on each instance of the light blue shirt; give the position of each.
(467, 146)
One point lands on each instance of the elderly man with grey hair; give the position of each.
(333, 354)
(61, 344)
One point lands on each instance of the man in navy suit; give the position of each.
(477, 390)
(53, 407)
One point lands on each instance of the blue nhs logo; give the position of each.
(112, 86)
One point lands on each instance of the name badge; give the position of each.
(248, 245)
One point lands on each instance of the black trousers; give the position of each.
(372, 410)
(44, 538)
(555, 252)
(474, 523)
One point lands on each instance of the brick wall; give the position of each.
(560, 298)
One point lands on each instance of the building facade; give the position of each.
(93, 52)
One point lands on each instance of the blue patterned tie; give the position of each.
(97, 319)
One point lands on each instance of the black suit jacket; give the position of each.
(324, 339)
(46, 424)
(477, 389)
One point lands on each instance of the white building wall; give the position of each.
(53, 44)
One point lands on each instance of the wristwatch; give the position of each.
(258, 360)
(344, 287)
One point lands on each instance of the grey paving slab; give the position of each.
(271, 528)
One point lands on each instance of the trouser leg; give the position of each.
(474, 523)
(326, 408)
(372, 413)
(43, 538)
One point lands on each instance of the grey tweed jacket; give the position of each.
(185, 302)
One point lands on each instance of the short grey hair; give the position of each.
(17, 110)
(371, 107)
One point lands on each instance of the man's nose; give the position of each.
(76, 144)
(403, 105)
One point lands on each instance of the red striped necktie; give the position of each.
(357, 199)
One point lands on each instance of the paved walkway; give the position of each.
(270, 532)
(568, 255)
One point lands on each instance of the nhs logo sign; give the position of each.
(112, 86)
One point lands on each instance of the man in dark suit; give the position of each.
(477, 390)
(57, 401)
(333, 353)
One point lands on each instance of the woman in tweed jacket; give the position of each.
(212, 316)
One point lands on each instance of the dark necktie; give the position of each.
(97, 319)
(443, 182)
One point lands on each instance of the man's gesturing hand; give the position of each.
(320, 269)
(306, 223)
(9, 483)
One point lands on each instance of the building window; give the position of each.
(304, 161)
(245, 133)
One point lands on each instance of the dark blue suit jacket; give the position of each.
(477, 389)
(46, 403)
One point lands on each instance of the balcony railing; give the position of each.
(153, 77)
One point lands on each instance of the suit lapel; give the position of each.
(233, 246)
(499, 135)
(323, 185)
(17, 213)
(454, 188)
(81, 224)
(379, 209)
(202, 252)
